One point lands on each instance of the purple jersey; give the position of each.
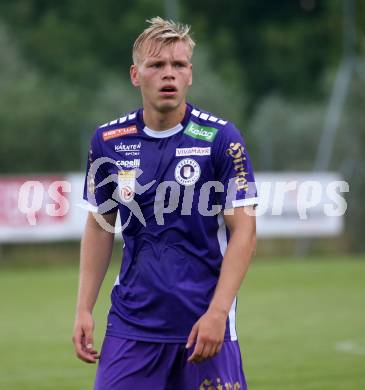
(170, 188)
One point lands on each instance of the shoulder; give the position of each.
(209, 127)
(207, 118)
(125, 125)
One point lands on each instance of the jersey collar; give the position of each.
(164, 133)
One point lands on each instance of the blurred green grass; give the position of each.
(291, 316)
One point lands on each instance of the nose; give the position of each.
(168, 73)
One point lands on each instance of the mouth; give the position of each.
(168, 90)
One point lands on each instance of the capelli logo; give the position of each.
(128, 163)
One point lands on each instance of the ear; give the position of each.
(133, 71)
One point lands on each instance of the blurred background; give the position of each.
(289, 73)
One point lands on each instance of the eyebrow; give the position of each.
(157, 60)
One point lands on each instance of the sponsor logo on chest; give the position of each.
(128, 149)
(237, 152)
(194, 151)
(126, 185)
(128, 163)
(204, 133)
(110, 134)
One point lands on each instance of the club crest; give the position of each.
(187, 172)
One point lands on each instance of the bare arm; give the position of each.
(208, 331)
(96, 250)
(239, 251)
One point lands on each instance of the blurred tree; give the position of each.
(283, 125)
(78, 40)
(211, 91)
(56, 117)
(283, 46)
(43, 119)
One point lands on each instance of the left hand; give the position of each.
(208, 333)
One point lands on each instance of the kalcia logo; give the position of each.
(131, 149)
(204, 133)
(128, 163)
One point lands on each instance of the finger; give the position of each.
(94, 356)
(202, 356)
(219, 348)
(78, 340)
(215, 350)
(81, 353)
(195, 356)
(88, 338)
(209, 351)
(192, 336)
(93, 352)
(87, 356)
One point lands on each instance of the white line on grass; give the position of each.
(349, 346)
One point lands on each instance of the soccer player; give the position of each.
(182, 182)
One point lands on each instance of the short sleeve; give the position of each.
(99, 186)
(233, 169)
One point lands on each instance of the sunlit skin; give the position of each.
(164, 79)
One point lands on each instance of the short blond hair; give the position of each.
(161, 33)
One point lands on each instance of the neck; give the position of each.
(157, 120)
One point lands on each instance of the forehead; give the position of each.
(156, 50)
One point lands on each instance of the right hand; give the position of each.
(83, 338)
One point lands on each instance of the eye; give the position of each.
(156, 65)
(179, 65)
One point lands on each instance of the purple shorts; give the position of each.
(138, 365)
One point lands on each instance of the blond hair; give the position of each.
(161, 33)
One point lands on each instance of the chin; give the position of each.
(167, 106)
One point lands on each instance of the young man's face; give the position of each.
(164, 78)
